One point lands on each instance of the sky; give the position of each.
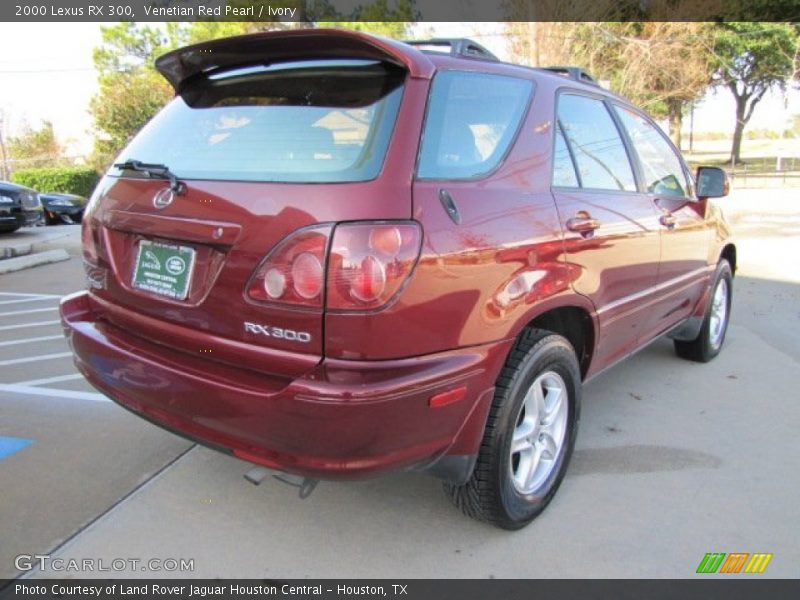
(46, 73)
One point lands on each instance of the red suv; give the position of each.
(336, 255)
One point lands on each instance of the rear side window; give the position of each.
(563, 167)
(596, 144)
(472, 120)
(661, 168)
(309, 122)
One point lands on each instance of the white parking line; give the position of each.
(30, 359)
(21, 300)
(13, 388)
(44, 338)
(46, 380)
(26, 325)
(28, 312)
(22, 295)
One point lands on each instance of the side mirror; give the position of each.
(712, 182)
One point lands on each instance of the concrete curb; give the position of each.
(19, 263)
(68, 240)
(10, 251)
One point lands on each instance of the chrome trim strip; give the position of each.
(652, 290)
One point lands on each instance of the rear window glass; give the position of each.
(471, 122)
(311, 122)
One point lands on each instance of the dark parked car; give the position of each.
(62, 208)
(336, 255)
(19, 206)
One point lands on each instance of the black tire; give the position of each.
(10, 229)
(708, 343)
(491, 494)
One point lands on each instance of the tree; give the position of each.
(35, 147)
(128, 48)
(125, 103)
(131, 91)
(669, 66)
(379, 18)
(752, 58)
(658, 65)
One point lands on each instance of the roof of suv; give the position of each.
(557, 76)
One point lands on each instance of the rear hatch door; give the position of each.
(262, 146)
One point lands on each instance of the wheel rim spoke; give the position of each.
(548, 446)
(533, 468)
(538, 398)
(719, 313)
(522, 437)
(539, 435)
(552, 403)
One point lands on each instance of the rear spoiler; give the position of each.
(186, 64)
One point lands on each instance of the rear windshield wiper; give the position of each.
(154, 169)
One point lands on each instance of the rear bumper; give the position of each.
(341, 419)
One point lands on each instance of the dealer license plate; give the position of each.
(164, 269)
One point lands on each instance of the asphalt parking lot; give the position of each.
(67, 454)
(673, 460)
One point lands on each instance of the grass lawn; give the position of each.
(765, 163)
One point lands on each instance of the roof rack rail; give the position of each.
(461, 47)
(574, 73)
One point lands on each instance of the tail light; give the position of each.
(366, 266)
(89, 241)
(89, 232)
(294, 272)
(369, 263)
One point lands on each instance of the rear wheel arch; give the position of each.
(570, 321)
(575, 323)
(529, 436)
(729, 253)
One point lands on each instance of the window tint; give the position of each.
(599, 152)
(563, 169)
(471, 121)
(313, 121)
(662, 170)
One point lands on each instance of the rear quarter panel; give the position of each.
(485, 278)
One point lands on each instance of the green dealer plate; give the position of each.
(164, 269)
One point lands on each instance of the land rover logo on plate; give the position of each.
(176, 265)
(163, 198)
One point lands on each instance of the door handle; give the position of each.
(668, 220)
(583, 223)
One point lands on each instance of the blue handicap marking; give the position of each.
(12, 445)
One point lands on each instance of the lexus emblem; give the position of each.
(163, 198)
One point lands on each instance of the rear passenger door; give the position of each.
(683, 270)
(611, 230)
